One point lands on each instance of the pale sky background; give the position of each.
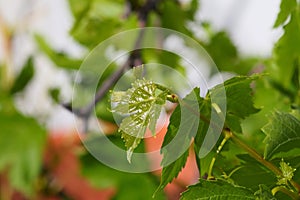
(249, 23)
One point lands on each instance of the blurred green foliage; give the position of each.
(23, 139)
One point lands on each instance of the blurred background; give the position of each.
(248, 24)
(42, 45)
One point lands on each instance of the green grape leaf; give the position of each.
(287, 50)
(99, 30)
(225, 60)
(142, 103)
(24, 77)
(239, 97)
(233, 122)
(21, 145)
(182, 127)
(172, 8)
(229, 60)
(54, 93)
(239, 105)
(289, 154)
(59, 58)
(286, 7)
(282, 134)
(79, 8)
(101, 18)
(172, 170)
(205, 110)
(207, 190)
(192, 9)
(251, 174)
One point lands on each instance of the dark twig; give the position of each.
(133, 60)
(143, 13)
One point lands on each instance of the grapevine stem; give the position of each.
(254, 154)
(229, 134)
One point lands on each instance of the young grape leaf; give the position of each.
(142, 103)
(294, 162)
(287, 173)
(182, 127)
(207, 190)
(283, 134)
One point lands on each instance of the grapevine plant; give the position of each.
(256, 156)
(228, 173)
(142, 104)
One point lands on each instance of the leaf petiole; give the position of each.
(285, 191)
(220, 147)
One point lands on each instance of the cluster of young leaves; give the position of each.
(142, 104)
